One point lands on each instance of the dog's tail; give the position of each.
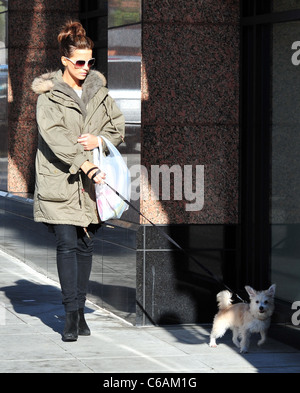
(224, 299)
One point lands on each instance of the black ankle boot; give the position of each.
(71, 326)
(83, 329)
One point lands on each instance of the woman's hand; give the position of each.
(88, 141)
(93, 172)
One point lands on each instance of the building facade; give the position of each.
(209, 93)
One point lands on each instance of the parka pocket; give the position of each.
(56, 187)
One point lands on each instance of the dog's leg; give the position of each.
(245, 341)
(212, 342)
(218, 330)
(263, 336)
(213, 336)
(235, 337)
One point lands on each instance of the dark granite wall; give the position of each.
(190, 117)
(190, 103)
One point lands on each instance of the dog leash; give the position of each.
(165, 235)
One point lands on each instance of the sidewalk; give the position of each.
(32, 319)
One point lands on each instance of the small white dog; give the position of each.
(243, 318)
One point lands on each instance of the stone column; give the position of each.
(32, 31)
(190, 120)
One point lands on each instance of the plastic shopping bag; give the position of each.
(109, 204)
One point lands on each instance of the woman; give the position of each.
(73, 109)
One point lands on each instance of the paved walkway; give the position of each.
(32, 319)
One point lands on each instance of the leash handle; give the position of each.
(175, 243)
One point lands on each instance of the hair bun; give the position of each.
(71, 30)
(73, 36)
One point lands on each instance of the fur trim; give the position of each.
(45, 82)
(101, 76)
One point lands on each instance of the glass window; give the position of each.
(124, 12)
(285, 5)
(3, 5)
(270, 117)
(285, 142)
(124, 76)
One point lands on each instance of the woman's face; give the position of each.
(77, 74)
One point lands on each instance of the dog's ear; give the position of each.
(271, 290)
(250, 290)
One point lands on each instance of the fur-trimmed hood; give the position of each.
(53, 83)
(43, 83)
(46, 82)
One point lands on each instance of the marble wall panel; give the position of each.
(190, 103)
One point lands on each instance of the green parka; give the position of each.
(63, 193)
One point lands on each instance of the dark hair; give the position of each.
(71, 37)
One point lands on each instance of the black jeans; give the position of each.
(74, 251)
